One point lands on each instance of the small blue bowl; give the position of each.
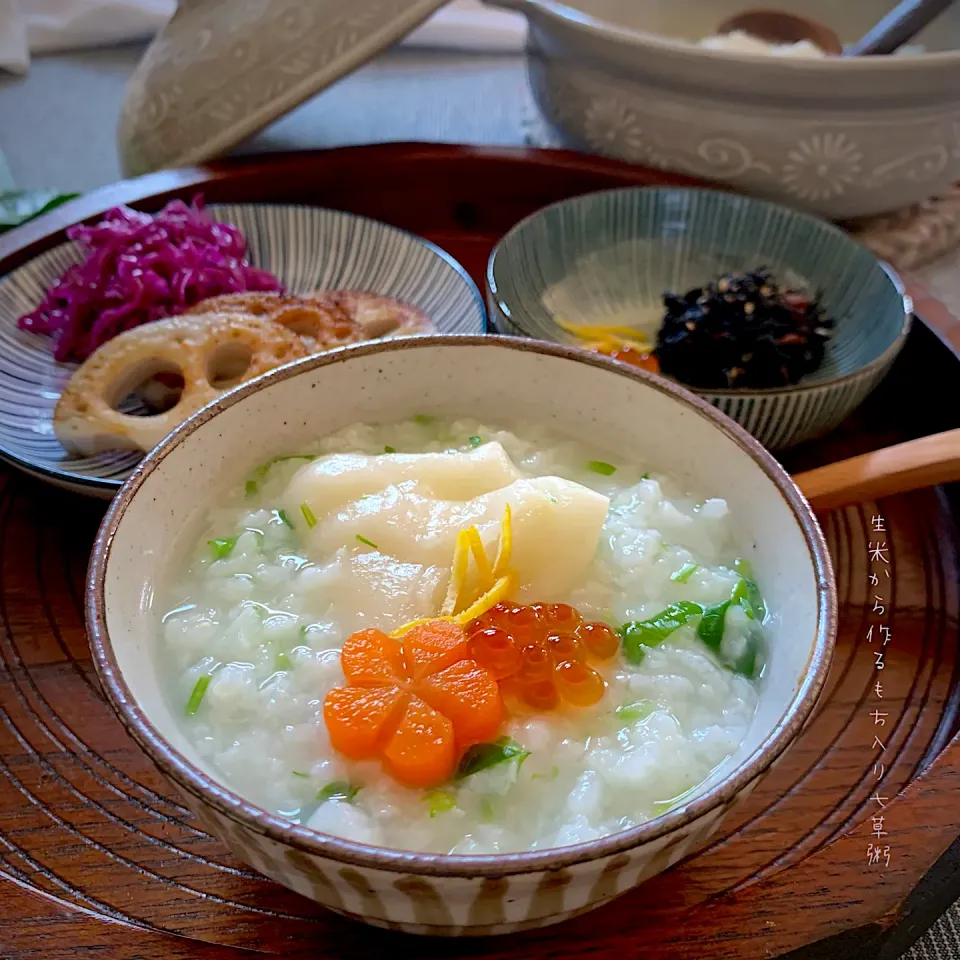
(608, 258)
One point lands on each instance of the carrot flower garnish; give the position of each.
(415, 703)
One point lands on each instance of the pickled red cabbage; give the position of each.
(139, 268)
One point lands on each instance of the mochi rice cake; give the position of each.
(446, 637)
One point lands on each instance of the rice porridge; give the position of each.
(540, 647)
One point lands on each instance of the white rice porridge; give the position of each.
(265, 600)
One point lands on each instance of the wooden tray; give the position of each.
(100, 859)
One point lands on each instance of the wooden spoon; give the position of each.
(904, 22)
(926, 462)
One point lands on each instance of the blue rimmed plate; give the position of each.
(608, 257)
(305, 247)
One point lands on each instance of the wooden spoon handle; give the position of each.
(907, 466)
(901, 24)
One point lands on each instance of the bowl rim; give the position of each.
(584, 22)
(879, 363)
(210, 793)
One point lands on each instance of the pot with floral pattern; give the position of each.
(841, 137)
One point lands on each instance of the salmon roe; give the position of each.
(541, 651)
(636, 358)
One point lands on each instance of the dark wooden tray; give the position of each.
(99, 858)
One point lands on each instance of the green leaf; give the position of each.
(423, 418)
(475, 441)
(389, 449)
(260, 474)
(482, 756)
(712, 623)
(552, 775)
(196, 697)
(338, 790)
(20, 206)
(599, 466)
(369, 543)
(300, 773)
(440, 801)
(308, 516)
(711, 630)
(747, 594)
(637, 654)
(282, 662)
(750, 659)
(756, 598)
(488, 811)
(282, 514)
(250, 488)
(744, 568)
(221, 549)
(684, 573)
(638, 710)
(646, 476)
(640, 634)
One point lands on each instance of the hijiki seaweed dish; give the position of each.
(443, 636)
(742, 330)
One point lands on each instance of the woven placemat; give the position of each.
(907, 239)
(916, 236)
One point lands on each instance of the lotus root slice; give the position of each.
(327, 319)
(211, 352)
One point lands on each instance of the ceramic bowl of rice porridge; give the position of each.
(428, 630)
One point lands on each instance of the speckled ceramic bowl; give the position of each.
(586, 397)
(608, 257)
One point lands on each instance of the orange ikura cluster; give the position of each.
(539, 653)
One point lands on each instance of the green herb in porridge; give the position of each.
(196, 697)
(684, 573)
(636, 711)
(338, 790)
(223, 547)
(308, 515)
(481, 756)
(440, 801)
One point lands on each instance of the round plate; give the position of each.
(305, 247)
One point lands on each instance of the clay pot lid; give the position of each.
(221, 70)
